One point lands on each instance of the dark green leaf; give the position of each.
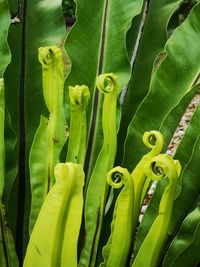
(184, 250)
(170, 82)
(151, 43)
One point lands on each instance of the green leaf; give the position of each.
(117, 250)
(97, 192)
(152, 40)
(43, 27)
(187, 189)
(174, 116)
(79, 96)
(99, 35)
(10, 159)
(170, 82)
(4, 60)
(184, 250)
(8, 257)
(54, 239)
(51, 135)
(5, 23)
(14, 262)
(154, 141)
(2, 145)
(38, 170)
(153, 243)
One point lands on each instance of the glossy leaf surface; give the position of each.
(62, 207)
(169, 84)
(43, 27)
(184, 250)
(99, 33)
(153, 36)
(51, 135)
(5, 23)
(187, 189)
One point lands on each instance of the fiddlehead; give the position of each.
(96, 193)
(117, 177)
(118, 247)
(107, 83)
(50, 58)
(160, 166)
(51, 134)
(153, 140)
(164, 166)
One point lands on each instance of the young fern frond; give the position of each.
(153, 140)
(95, 198)
(79, 96)
(50, 136)
(117, 250)
(161, 166)
(54, 239)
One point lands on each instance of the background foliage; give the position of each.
(153, 48)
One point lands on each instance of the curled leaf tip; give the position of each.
(79, 95)
(47, 55)
(117, 177)
(163, 165)
(153, 140)
(107, 83)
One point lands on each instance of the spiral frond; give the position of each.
(153, 140)
(117, 177)
(161, 166)
(107, 83)
(48, 55)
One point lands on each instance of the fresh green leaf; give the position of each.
(99, 33)
(51, 135)
(150, 250)
(54, 239)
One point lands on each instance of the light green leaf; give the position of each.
(51, 135)
(79, 96)
(151, 248)
(54, 239)
(100, 34)
(117, 250)
(96, 194)
(38, 170)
